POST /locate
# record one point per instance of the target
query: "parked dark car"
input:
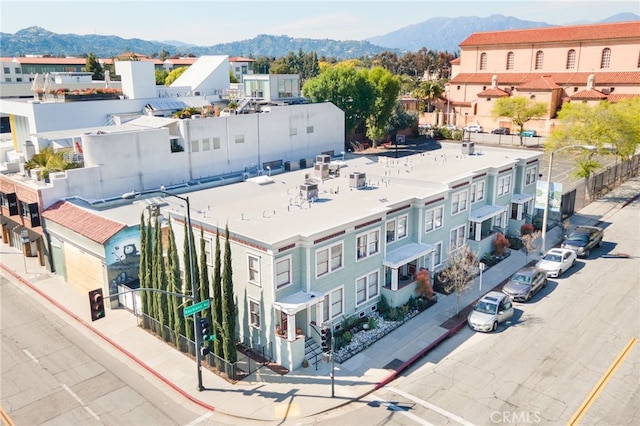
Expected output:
(501, 131)
(525, 283)
(583, 239)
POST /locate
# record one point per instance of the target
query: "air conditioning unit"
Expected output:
(309, 191)
(357, 180)
(323, 158)
(321, 170)
(468, 148)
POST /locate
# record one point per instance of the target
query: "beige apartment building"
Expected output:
(582, 63)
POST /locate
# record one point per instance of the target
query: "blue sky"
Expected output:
(205, 23)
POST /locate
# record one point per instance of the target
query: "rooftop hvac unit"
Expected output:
(468, 148)
(357, 180)
(290, 166)
(321, 170)
(323, 158)
(309, 191)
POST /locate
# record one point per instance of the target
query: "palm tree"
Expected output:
(428, 91)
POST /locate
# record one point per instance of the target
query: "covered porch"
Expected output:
(400, 266)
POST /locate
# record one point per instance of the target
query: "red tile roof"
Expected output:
(588, 94)
(617, 97)
(543, 82)
(560, 78)
(240, 59)
(82, 221)
(182, 61)
(617, 30)
(493, 93)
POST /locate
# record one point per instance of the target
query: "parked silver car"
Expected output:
(525, 283)
(492, 309)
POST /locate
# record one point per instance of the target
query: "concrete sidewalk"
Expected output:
(266, 395)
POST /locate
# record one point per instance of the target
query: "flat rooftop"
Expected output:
(270, 210)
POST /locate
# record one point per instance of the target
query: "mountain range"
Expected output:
(439, 34)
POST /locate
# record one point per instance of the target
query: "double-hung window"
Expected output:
(433, 219)
(254, 269)
(328, 259)
(368, 244)
(283, 272)
(254, 313)
(457, 238)
(332, 305)
(530, 175)
(477, 191)
(459, 202)
(391, 230)
(367, 287)
(504, 185)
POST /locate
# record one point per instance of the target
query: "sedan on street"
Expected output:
(556, 261)
(525, 283)
(501, 131)
(492, 309)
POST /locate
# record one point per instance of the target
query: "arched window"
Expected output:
(510, 60)
(539, 59)
(571, 59)
(483, 61)
(606, 58)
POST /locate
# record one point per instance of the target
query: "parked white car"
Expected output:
(474, 128)
(557, 261)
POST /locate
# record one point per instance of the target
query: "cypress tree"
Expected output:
(160, 278)
(148, 277)
(228, 305)
(188, 289)
(216, 307)
(175, 285)
(204, 280)
(142, 271)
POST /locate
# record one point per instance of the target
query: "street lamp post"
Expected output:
(194, 292)
(545, 214)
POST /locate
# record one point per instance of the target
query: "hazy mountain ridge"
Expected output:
(439, 34)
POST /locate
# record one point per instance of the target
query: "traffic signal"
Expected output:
(325, 335)
(96, 304)
(204, 329)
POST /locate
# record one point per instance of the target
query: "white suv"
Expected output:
(474, 128)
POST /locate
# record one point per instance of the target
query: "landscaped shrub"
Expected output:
(500, 244)
(526, 229)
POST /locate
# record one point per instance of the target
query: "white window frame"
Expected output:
(431, 224)
(367, 244)
(457, 237)
(504, 185)
(286, 273)
(437, 254)
(253, 269)
(208, 244)
(402, 227)
(367, 285)
(255, 319)
(331, 258)
(478, 191)
(459, 202)
(390, 223)
(333, 304)
(531, 175)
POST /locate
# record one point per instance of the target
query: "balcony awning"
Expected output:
(405, 254)
(296, 302)
(522, 198)
(486, 212)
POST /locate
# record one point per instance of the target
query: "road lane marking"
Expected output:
(200, 419)
(6, 420)
(31, 356)
(432, 407)
(582, 410)
(396, 409)
(77, 398)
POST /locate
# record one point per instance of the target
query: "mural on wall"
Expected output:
(123, 259)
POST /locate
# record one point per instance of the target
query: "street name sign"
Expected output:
(200, 306)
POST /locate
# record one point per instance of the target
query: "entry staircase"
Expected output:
(312, 351)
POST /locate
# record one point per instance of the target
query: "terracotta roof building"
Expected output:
(586, 63)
